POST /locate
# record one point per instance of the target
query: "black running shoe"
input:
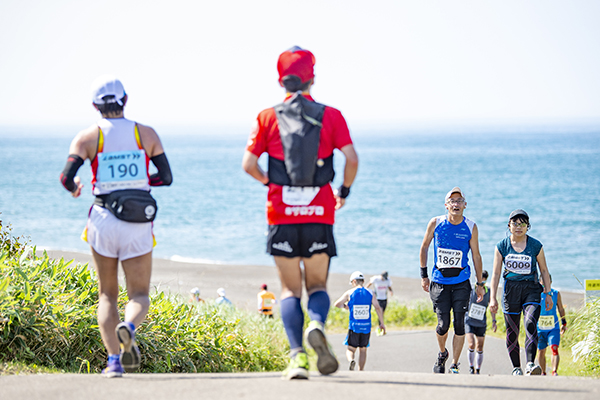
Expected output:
(440, 365)
(472, 370)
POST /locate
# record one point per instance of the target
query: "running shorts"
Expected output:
(356, 340)
(450, 297)
(517, 294)
(113, 238)
(382, 304)
(548, 338)
(301, 240)
(478, 331)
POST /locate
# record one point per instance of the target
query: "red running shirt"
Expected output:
(265, 138)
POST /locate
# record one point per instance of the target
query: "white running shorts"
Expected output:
(111, 237)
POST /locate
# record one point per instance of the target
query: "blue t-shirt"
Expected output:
(360, 310)
(520, 266)
(451, 250)
(548, 319)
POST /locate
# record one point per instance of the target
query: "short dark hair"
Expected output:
(520, 218)
(110, 107)
(292, 84)
(485, 274)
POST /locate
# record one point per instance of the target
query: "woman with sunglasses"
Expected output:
(518, 257)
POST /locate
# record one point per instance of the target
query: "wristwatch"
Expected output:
(482, 284)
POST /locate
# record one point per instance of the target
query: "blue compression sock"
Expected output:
(318, 306)
(293, 320)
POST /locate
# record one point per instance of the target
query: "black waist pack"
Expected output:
(129, 205)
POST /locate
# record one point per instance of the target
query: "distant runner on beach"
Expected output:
(381, 284)
(358, 301)
(119, 226)
(518, 258)
(453, 236)
(300, 136)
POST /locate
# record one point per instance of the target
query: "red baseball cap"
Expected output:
(296, 61)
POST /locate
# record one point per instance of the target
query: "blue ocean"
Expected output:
(214, 212)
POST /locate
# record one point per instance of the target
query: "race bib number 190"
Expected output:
(122, 169)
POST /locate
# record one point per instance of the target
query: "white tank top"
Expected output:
(121, 162)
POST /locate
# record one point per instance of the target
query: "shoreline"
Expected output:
(242, 282)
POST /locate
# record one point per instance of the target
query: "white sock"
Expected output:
(479, 359)
(471, 357)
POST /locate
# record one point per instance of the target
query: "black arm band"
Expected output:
(343, 191)
(163, 177)
(424, 272)
(74, 162)
(563, 320)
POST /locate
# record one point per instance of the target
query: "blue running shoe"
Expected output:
(130, 354)
(113, 369)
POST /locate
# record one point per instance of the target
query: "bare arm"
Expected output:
(561, 312)
(83, 146)
(424, 249)
(495, 281)
(541, 261)
(350, 170)
(477, 263)
(150, 141)
(341, 302)
(250, 165)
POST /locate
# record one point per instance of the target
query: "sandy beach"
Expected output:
(242, 282)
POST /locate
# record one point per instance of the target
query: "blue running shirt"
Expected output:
(360, 310)
(451, 248)
(520, 266)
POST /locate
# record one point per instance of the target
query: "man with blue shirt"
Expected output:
(549, 330)
(453, 236)
(358, 301)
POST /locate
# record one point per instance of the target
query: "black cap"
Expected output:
(518, 212)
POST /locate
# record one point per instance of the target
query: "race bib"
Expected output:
(518, 263)
(361, 312)
(447, 258)
(546, 322)
(299, 196)
(268, 302)
(477, 311)
(122, 170)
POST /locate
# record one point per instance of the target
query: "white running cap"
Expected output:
(356, 275)
(221, 292)
(455, 189)
(195, 290)
(107, 85)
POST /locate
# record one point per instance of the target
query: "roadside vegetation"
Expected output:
(48, 324)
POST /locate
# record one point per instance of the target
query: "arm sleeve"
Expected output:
(163, 177)
(74, 162)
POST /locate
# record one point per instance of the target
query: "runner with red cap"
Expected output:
(300, 135)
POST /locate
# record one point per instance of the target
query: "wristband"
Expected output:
(480, 284)
(493, 320)
(343, 191)
(423, 272)
(268, 182)
(563, 320)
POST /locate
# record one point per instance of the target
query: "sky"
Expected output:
(382, 63)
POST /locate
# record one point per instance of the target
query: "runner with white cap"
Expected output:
(358, 301)
(454, 236)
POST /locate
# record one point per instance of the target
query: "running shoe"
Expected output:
(517, 371)
(297, 368)
(472, 370)
(440, 365)
(476, 372)
(554, 373)
(532, 369)
(454, 368)
(130, 354)
(352, 365)
(326, 361)
(113, 370)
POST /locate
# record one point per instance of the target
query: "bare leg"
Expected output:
(362, 358)
(350, 353)
(290, 276)
(137, 277)
(542, 360)
(442, 341)
(316, 270)
(555, 359)
(457, 345)
(108, 293)
(471, 341)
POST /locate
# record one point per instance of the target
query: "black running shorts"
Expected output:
(301, 240)
(519, 293)
(382, 304)
(357, 339)
(478, 331)
(450, 297)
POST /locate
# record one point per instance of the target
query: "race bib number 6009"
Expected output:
(518, 263)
